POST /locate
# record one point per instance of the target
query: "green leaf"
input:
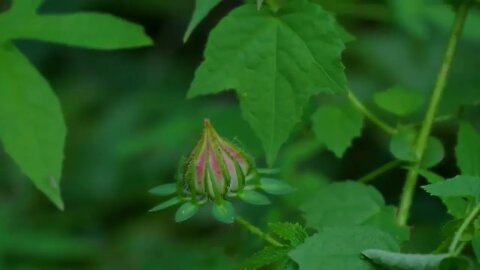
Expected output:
(434, 153)
(259, 4)
(340, 248)
(459, 186)
(403, 261)
(265, 257)
(84, 29)
(351, 203)
(186, 211)
(274, 186)
(165, 204)
(164, 190)
(32, 128)
(253, 197)
(457, 207)
(274, 63)
(457, 263)
(294, 233)
(468, 150)
(401, 145)
(224, 211)
(347, 203)
(476, 245)
(337, 137)
(386, 221)
(398, 100)
(202, 8)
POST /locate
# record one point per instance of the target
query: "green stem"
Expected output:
(421, 143)
(360, 107)
(258, 232)
(379, 171)
(453, 249)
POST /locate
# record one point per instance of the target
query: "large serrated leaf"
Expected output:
(467, 150)
(31, 123)
(275, 62)
(459, 186)
(340, 248)
(202, 8)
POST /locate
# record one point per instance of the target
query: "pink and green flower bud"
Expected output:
(216, 167)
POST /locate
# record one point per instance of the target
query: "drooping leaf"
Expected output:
(253, 197)
(274, 63)
(398, 100)
(467, 150)
(352, 203)
(294, 233)
(459, 186)
(275, 187)
(265, 257)
(403, 261)
(341, 247)
(223, 211)
(202, 8)
(166, 204)
(32, 129)
(337, 126)
(186, 211)
(163, 190)
(84, 29)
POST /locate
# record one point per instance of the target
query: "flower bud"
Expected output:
(216, 167)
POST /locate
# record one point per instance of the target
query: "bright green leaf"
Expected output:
(457, 207)
(459, 186)
(84, 29)
(253, 197)
(202, 8)
(224, 211)
(275, 187)
(292, 232)
(398, 100)
(164, 190)
(403, 261)
(340, 248)
(275, 63)
(468, 150)
(166, 204)
(337, 137)
(186, 211)
(31, 123)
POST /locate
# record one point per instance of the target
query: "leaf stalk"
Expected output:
(258, 232)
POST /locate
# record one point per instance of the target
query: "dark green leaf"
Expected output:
(31, 123)
(386, 221)
(253, 197)
(202, 8)
(459, 186)
(403, 261)
(476, 244)
(337, 137)
(340, 248)
(275, 63)
(399, 100)
(163, 190)
(457, 263)
(84, 29)
(468, 150)
(274, 186)
(223, 211)
(166, 204)
(265, 257)
(186, 211)
(292, 232)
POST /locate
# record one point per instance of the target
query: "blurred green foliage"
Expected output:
(129, 123)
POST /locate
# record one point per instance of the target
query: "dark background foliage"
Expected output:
(129, 123)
